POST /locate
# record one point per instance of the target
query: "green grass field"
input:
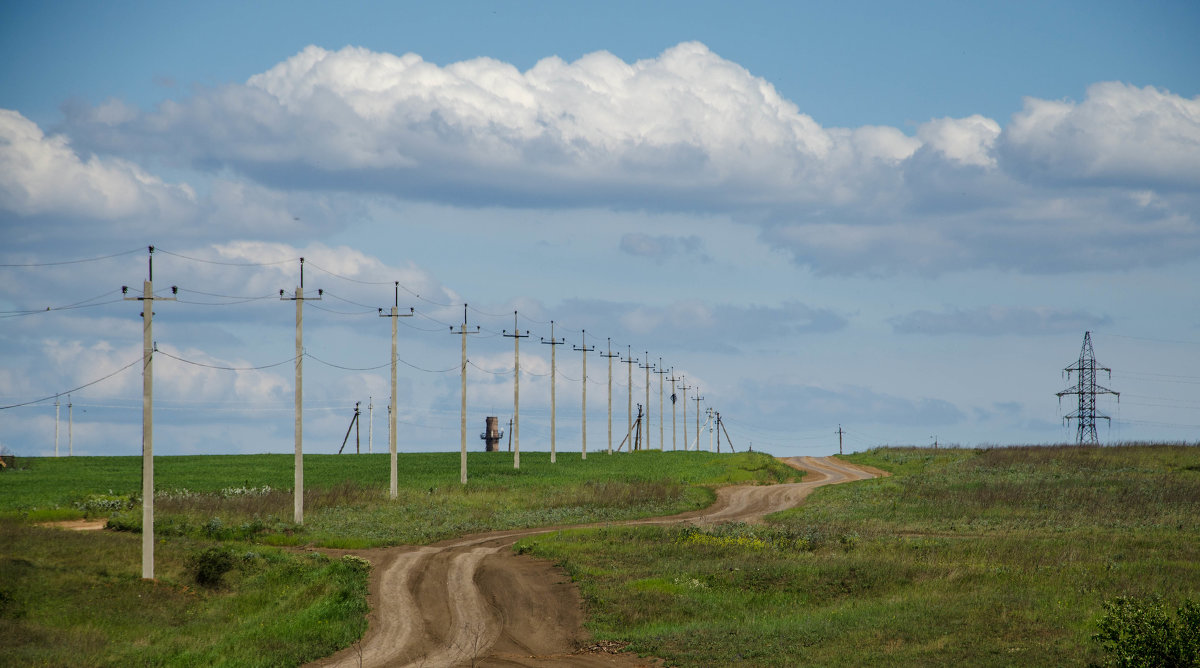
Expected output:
(963, 557)
(70, 598)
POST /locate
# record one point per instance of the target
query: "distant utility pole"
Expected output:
(674, 442)
(370, 425)
(463, 410)
(148, 300)
(56, 426)
(1087, 389)
(630, 361)
(610, 357)
(839, 433)
(553, 372)
(660, 373)
(70, 429)
(717, 415)
(299, 298)
(647, 366)
(394, 315)
(684, 387)
(583, 347)
(516, 336)
(698, 400)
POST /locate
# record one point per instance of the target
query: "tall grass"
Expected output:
(963, 557)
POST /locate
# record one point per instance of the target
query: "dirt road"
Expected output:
(472, 601)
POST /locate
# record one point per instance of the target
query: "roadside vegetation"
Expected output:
(1006, 556)
(227, 594)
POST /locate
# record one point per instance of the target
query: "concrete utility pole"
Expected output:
(698, 400)
(839, 433)
(585, 350)
(516, 336)
(673, 412)
(70, 429)
(463, 411)
(370, 425)
(298, 501)
(660, 373)
(647, 366)
(553, 372)
(630, 362)
(394, 315)
(148, 300)
(684, 387)
(610, 357)
(56, 426)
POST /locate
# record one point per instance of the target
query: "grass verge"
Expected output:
(72, 598)
(962, 557)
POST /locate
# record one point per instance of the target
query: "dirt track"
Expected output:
(472, 601)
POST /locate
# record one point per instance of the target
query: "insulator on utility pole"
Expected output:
(1086, 389)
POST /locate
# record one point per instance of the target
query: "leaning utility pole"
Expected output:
(516, 336)
(298, 501)
(647, 366)
(583, 347)
(660, 373)
(610, 357)
(630, 362)
(1087, 389)
(463, 411)
(148, 300)
(393, 485)
(553, 372)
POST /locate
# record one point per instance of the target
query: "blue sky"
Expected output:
(897, 217)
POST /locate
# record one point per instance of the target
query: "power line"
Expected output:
(223, 263)
(52, 396)
(226, 368)
(86, 259)
(87, 303)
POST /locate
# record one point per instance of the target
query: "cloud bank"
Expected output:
(1110, 181)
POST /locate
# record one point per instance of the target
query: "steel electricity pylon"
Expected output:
(1086, 389)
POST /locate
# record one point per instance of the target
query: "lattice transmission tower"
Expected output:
(1087, 389)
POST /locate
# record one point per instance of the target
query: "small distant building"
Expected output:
(492, 434)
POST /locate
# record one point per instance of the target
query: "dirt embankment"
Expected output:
(472, 602)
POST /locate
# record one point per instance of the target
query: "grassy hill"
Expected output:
(962, 557)
(226, 594)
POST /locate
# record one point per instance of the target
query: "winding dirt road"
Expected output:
(472, 602)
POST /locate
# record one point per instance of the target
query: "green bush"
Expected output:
(1140, 633)
(208, 565)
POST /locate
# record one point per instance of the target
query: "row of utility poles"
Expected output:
(148, 349)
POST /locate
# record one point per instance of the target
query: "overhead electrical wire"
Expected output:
(86, 259)
(223, 368)
(85, 385)
(159, 249)
(87, 303)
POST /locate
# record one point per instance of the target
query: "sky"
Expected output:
(897, 219)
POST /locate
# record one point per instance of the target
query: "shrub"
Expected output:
(208, 565)
(1137, 633)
